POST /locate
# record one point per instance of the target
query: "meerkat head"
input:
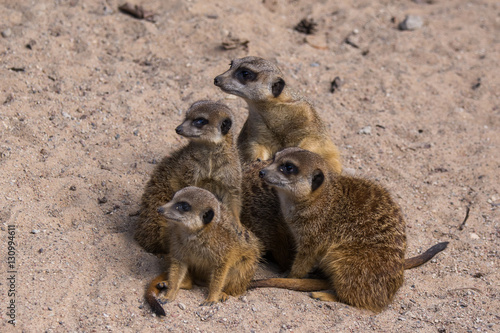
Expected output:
(254, 79)
(295, 172)
(192, 208)
(206, 121)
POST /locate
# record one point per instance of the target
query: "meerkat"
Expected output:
(349, 227)
(278, 118)
(210, 160)
(207, 244)
(261, 214)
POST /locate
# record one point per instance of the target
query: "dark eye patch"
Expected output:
(289, 168)
(183, 206)
(245, 75)
(200, 122)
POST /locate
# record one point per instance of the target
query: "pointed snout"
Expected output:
(262, 173)
(217, 81)
(179, 129)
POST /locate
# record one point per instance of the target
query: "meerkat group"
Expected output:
(214, 207)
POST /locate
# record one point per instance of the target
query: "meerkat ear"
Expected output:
(208, 216)
(317, 179)
(226, 126)
(278, 86)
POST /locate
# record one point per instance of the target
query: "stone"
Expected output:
(411, 22)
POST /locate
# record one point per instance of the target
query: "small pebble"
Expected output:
(365, 130)
(40, 251)
(35, 231)
(411, 22)
(6, 33)
(181, 306)
(474, 236)
(72, 188)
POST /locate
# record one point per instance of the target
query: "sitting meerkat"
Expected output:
(349, 227)
(261, 214)
(207, 244)
(210, 161)
(277, 117)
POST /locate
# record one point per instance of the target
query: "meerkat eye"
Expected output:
(246, 75)
(288, 168)
(200, 122)
(183, 206)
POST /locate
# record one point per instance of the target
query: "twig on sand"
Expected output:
(461, 227)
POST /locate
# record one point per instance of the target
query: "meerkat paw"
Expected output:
(211, 301)
(164, 300)
(162, 285)
(324, 296)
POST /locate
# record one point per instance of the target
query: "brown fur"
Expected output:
(261, 213)
(277, 117)
(349, 227)
(209, 160)
(207, 244)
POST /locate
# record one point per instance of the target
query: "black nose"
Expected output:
(178, 129)
(161, 210)
(217, 81)
(262, 173)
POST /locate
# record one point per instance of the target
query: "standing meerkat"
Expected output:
(210, 161)
(207, 244)
(349, 227)
(277, 117)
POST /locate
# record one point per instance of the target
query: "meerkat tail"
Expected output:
(320, 284)
(292, 284)
(152, 294)
(426, 256)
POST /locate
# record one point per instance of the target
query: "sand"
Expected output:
(90, 97)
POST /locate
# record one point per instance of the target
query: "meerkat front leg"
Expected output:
(260, 152)
(217, 282)
(303, 264)
(176, 276)
(324, 148)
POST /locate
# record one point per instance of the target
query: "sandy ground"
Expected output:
(89, 98)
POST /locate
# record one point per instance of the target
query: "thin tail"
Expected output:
(320, 284)
(426, 256)
(152, 294)
(292, 284)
